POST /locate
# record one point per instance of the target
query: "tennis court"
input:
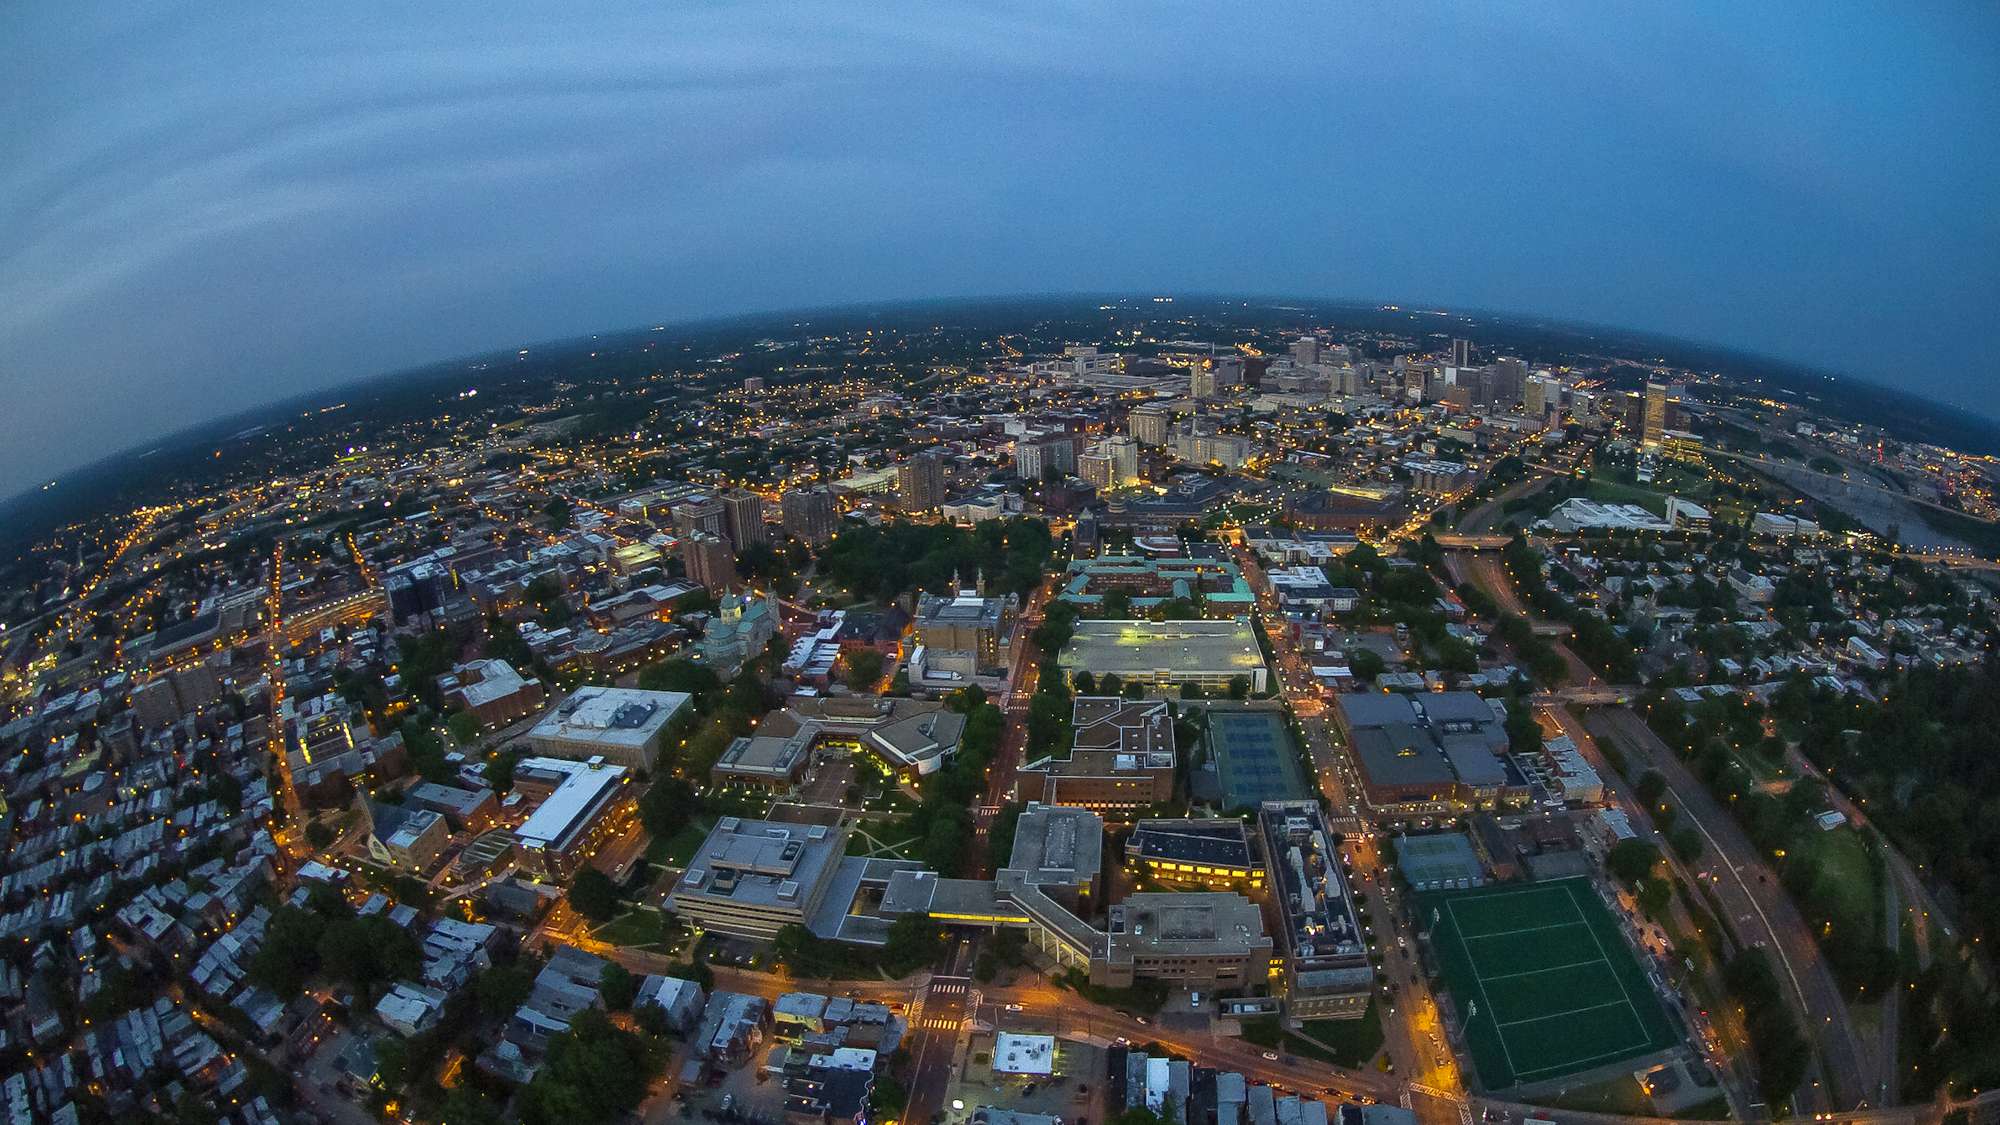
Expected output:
(1543, 981)
(1256, 757)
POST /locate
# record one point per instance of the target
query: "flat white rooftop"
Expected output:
(582, 790)
(1024, 1054)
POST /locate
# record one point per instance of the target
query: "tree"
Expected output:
(501, 989)
(319, 834)
(595, 1071)
(888, 1099)
(290, 953)
(668, 807)
(914, 941)
(1649, 788)
(1781, 1051)
(465, 1105)
(1239, 687)
(500, 770)
(1633, 860)
(366, 953)
(682, 675)
(795, 947)
(862, 669)
(1084, 682)
(653, 1019)
(1686, 843)
(464, 727)
(558, 511)
(422, 744)
(1654, 894)
(618, 987)
(594, 895)
(1366, 664)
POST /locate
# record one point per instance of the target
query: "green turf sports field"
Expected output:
(1542, 979)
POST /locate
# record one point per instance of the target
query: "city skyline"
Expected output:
(321, 203)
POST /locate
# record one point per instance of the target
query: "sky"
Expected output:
(204, 208)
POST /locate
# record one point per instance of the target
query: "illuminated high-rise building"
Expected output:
(1654, 415)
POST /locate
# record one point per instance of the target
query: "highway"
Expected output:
(942, 999)
(1486, 517)
(1759, 912)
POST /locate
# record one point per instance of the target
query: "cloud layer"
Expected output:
(205, 208)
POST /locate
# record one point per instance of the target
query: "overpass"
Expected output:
(358, 606)
(1471, 541)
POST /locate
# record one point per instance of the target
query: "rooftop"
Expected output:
(611, 716)
(1056, 844)
(1144, 647)
(584, 787)
(762, 862)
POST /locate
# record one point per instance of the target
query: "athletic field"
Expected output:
(1256, 757)
(1543, 981)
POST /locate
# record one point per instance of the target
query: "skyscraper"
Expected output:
(1542, 395)
(702, 514)
(1305, 350)
(810, 514)
(1038, 453)
(709, 561)
(1461, 353)
(1150, 424)
(745, 512)
(1112, 463)
(1654, 413)
(920, 483)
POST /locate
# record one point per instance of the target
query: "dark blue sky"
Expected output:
(207, 207)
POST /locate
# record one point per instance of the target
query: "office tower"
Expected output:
(1461, 353)
(703, 514)
(1111, 464)
(1202, 381)
(753, 384)
(1305, 351)
(1037, 455)
(745, 512)
(1124, 453)
(1149, 425)
(1510, 380)
(709, 561)
(810, 514)
(1654, 413)
(1198, 441)
(1541, 394)
(920, 483)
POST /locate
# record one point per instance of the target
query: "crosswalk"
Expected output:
(937, 987)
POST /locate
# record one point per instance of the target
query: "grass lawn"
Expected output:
(1612, 492)
(677, 849)
(881, 845)
(1847, 887)
(1354, 1042)
(1349, 1043)
(634, 928)
(1622, 1095)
